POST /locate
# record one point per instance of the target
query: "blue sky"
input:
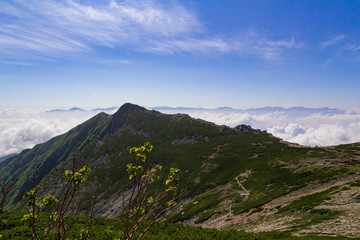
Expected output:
(180, 53)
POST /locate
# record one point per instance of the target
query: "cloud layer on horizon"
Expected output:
(24, 128)
(308, 128)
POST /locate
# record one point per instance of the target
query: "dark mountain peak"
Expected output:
(125, 114)
(129, 108)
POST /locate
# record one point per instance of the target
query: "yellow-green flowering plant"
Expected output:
(65, 205)
(139, 204)
(5, 190)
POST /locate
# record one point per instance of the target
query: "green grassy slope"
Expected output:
(31, 166)
(225, 171)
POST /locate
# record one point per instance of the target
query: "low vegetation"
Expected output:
(63, 206)
(112, 228)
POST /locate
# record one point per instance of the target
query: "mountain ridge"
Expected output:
(229, 172)
(7, 156)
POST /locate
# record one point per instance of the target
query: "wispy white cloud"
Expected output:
(53, 29)
(57, 27)
(115, 61)
(173, 46)
(332, 41)
(248, 44)
(353, 47)
(256, 44)
(123, 61)
(18, 63)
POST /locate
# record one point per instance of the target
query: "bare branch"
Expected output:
(140, 205)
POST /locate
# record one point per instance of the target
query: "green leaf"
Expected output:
(171, 203)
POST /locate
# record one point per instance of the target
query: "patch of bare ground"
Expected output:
(183, 202)
(217, 150)
(219, 222)
(347, 224)
(267, 220)
(113, 207)
(206, 166)
(197, 180)
(293, 144)
(312, 164)
(222, 207)
(340, 159)
(259, 144)
(243, 177)
(255, 155)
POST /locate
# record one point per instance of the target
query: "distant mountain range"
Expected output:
(239, 178)
(76, 109)
(293, 110)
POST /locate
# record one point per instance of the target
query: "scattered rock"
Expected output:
(185, 140)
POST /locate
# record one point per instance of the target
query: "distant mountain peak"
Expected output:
(74, 109)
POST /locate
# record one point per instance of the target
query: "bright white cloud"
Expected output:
(51, 29)
(321, 130)
(304, 126)
(24, 128)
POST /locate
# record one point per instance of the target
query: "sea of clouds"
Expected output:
(22, 128)
(305, 126)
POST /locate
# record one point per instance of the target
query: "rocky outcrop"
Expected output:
(247, 129)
